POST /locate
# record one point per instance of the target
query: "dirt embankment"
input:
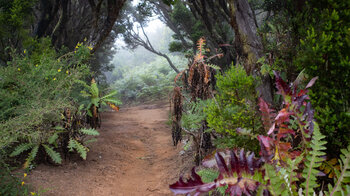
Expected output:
(134, 155)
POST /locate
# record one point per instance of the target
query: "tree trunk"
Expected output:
(248, 44)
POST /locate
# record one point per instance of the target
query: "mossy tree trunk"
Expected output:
(248, 44)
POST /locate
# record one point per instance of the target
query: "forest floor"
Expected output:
(134, 155)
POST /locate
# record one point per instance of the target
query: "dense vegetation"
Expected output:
(259, 89)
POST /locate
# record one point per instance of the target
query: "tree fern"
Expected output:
(313, 161)
(21, 148)
(344, 175)
(55, 156)
(92, 132)
(81, 149)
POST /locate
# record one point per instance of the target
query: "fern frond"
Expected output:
(213, 66)
(277, 183)
(329, 167)
(94, 89)
(31, 156)
(208, 175)
(82, 83)
(110, 95)
(313, 161)
(55, 156)
(74, 144)
(293, 165)
(21, 148)
(345, 173)
(53, 138)
(200, 45)
(92, 132)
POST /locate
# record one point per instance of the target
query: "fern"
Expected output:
(81, 149)
(31, 156)
(313, 161)
(213, 66)
(345, 173)
(277, 186)
(92, 132)
(110, 95)
(94, 89)
(53, 138)
(55, 156)
(329, 167)
(21, 148)
(208, 175)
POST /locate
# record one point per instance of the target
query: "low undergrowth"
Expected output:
(291, 153)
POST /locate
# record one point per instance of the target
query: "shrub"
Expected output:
(325, 51)
(38, 100)
(293, 137)
(234, 106)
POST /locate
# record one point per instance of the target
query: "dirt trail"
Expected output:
(133, 156)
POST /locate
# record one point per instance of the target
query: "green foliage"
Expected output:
(175, 46)
(36, 91)
(325, 52)
(80, 148)
(55, 156)
(342, 180)
(15, 15)
(313, 161)
(185, 21)
(191, 120)
(147, 81)
(234, 107)
(92, 132)
(11, 185)
(209, 175)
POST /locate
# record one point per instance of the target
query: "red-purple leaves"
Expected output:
(267, 114)
(282, 87)
(237, 173)
(193, 184)
(296, 110)
(312, 82)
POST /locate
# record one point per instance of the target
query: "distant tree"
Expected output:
(66, 22)
(134, 35)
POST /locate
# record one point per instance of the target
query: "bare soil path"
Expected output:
(133, 156)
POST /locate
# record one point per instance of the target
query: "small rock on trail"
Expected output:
(134, 155)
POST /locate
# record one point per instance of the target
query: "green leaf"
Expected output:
(214, 66)
(313, 161)
(55, 156)
(53, 138)
(74, 144)
(31, 156)
(343, 175)
(94, 90)
(21, 148)
(92, 132)
(95, 101)
(110, 95)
